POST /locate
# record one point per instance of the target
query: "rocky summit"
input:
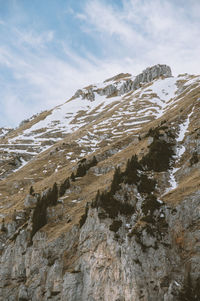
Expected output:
(100, 196)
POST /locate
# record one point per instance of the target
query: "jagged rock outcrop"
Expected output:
(85, 95)
(4, 131)
(146, 76)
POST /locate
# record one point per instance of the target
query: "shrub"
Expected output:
(64, 186)
(73, 177)
(31, 192)
(194, 159)
(52, 195)
(159, 156)
(115, 226)
(131, 171)
(85, 165)
(150, 204)
(39, 218)
(111, 206)
(189, 291)
(117, 179)
(81, 170)
(146, 185)
(84, 216)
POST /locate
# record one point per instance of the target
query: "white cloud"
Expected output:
(33, 39)
(149, 32)
(139, 34)
(42, 80)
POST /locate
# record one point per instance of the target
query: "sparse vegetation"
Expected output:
(84, 166)
(115, 226)
(31, 191)
(150, 204)
(190, 291)
(73, 177)
(133, 174)
(194, 159)
(39, 218)
(81, 170)
(117, 179)
(63, 187)
(84, 216)
(159, 156)
(146, 185)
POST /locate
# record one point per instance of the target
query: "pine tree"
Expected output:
(53, 195)
(194, 159)
(63, 187)
(116, 180)
(94, 161)
(131, 171)
(150, 204)
(73, 177)
(97, 198)
(31, 192)
(146, 184)
(81, 170)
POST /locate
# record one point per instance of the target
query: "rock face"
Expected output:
(146, 76)
(94, 263)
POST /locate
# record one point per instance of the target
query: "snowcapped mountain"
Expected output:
(99, 197)
(105, 111)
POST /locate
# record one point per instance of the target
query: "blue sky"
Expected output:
(51, 48)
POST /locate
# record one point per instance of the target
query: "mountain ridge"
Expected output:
(75, 249)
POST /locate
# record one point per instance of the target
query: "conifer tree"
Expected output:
(94, 161)
(81, 170)
(131, 173)
(63, 187)
(31, 192)
(53, 195)
(73, 177)
(116, 180)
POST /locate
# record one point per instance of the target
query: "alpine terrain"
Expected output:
(100, 196)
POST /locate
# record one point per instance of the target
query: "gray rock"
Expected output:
(30, 201)
(108, 90)
(146, 76)
(23, 294)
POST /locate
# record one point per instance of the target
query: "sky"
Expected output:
(51, 48)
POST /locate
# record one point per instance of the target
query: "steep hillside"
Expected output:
(100, 196)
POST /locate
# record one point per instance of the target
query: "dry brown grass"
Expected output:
(89, 184)
(118, 77)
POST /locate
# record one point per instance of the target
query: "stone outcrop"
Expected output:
(89, 94)
(94, 263)
(146, 76)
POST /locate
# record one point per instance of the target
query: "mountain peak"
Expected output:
(123, 83)
(103, 191)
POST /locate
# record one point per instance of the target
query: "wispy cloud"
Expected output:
(42, 79)
(33, 39)
(40, 68)
(152, 31)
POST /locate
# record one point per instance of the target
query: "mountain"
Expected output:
(100, 196)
